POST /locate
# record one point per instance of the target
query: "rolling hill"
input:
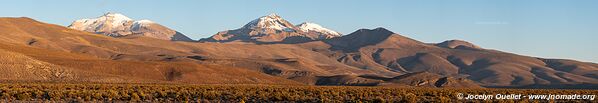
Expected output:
(380, 49)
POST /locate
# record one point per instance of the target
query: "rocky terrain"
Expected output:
(270, 50)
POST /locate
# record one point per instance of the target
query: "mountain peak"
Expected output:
(454, 44)
(118, 25)
(273, 15)
(309, 26)
(116, 16)
(379, 30)
(366, 37)
(112, 14)
(274, 29)
(272, 21)
(108, 20)
(141, 23)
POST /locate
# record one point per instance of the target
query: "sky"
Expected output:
(566, 29)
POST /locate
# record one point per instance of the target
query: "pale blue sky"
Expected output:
(545, 28)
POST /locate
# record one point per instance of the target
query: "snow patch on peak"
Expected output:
(272, 21)
(116, 16)
(141, 23)
(308, 26)
(274, 15)
(109, 19)
(110, 23)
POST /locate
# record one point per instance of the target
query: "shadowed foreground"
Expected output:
(11, 92)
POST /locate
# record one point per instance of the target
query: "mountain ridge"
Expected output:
(273, 29)
(118, 25)
(382, 51)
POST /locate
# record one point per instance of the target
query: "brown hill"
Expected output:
(384, 51)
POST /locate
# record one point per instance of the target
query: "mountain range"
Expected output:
(267, 50)
(274, 29)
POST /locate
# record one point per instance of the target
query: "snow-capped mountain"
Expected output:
(141, 23)
(313, 27)
(272, 29)
(272, 21)
(118, 25)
